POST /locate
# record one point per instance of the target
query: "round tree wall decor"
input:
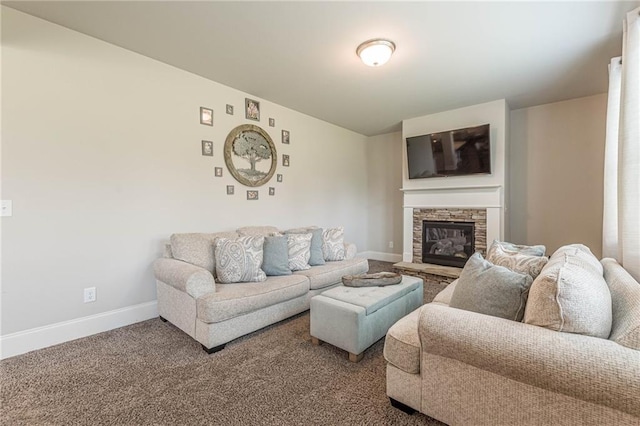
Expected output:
(250, 155)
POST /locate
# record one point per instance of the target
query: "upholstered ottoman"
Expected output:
(354, 318)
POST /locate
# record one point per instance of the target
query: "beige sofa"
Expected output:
(465, 368)
(214, 313)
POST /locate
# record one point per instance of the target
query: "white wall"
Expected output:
(384, 205)
(101, 157)
(556, 175)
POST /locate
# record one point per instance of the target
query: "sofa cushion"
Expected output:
(197, 248)
(316, 257)
(257, 231)
(232, 300)
(491, 289)
(625, 302)
(444, 297)
(239, 259)
(333, 244)
(571, 295)
(299, 248)
(517, 260)
(276, 256)
(331, 273)
(402, 344)
(510, 248)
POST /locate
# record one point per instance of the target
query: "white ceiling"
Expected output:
(302, 54)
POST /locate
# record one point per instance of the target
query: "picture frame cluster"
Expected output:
(252, 112)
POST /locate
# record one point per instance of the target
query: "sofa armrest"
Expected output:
(350, 251)
(587, 368)
(184, 276)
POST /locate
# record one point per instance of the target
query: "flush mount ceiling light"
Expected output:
(376, 52)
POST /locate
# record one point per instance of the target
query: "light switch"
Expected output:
(6, 208)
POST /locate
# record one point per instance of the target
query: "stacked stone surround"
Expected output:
(477, 216)
(436, 277)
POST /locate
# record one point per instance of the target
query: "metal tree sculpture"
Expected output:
(252, 149)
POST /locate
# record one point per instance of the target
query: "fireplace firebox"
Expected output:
(447, 243)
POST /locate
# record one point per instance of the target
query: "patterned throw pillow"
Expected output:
(333, 244)
(238, 260)
(299, 251)
(317, 258)
(514, 257)
(511, 248)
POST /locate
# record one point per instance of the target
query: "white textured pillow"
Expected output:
(571, 295)
(239, 259)
(299, 246)
(333, 244)
(516, 260)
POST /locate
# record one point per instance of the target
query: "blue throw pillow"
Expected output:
(275, 260)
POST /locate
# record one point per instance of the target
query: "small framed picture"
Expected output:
(285, 136)
(279, 178)
(252, 195)
(218, 171)
(272, 122)
(272, 190)
(230, 190)
(252, 109)
(229, 109)
(207, 148)
(285, 160)
(206, 116)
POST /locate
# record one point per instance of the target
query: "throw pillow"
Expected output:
(276, 256)
(299, 248)
(491, 289)
(511, 248)
(333, 244)
(515, 260)
(571, 295)
(316, 258)
(239, 259)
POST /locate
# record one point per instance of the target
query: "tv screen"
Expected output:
(451, 153)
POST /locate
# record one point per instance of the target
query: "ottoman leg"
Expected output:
(315, 341)
(356, 358)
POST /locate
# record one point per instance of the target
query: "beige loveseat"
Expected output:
(466, 368)
(213, 313)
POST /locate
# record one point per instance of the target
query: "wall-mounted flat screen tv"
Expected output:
(452, 153)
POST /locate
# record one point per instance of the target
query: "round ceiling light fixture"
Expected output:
(376, 52)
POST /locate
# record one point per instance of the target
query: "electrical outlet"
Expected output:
(390, 244)
(89, 294)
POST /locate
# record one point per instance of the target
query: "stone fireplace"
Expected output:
(448, 237)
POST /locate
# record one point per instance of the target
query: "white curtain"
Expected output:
(621, 216)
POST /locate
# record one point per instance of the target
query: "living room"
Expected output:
(103, 160)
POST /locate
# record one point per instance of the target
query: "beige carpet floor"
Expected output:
(151, 373)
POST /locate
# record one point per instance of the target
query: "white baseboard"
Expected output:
(41, 337)
(378, 255)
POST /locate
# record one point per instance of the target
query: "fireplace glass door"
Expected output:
(447, 243)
